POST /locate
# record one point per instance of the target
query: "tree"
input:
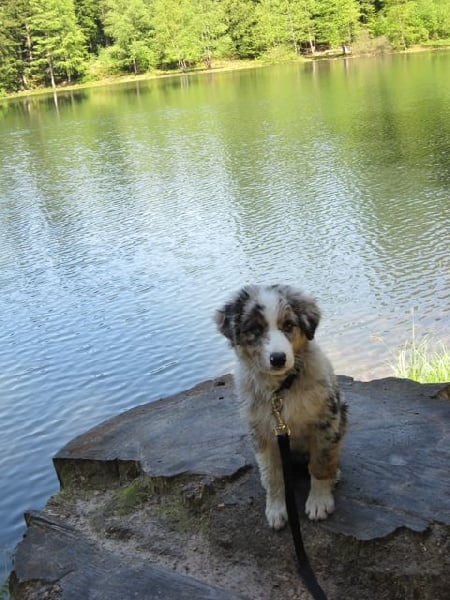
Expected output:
(443, 19)
(90, 18)
(129, 25)
(9, 54)
(337, 22)
(57, 41)
(285, 22)
(15, 44)
(402, 23)
(272, 27)
(176, 40)
(301, 22)
(240, 21)
(211, 30)
(367, 13)
(434, 15)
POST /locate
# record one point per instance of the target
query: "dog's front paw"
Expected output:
(276, 514)
(319, 507)
(320, 502)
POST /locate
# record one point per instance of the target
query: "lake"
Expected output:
(130, 212)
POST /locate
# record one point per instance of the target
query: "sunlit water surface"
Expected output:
(129, 213)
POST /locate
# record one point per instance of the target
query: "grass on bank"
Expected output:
(422, 362)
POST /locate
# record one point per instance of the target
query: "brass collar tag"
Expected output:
(281, 427)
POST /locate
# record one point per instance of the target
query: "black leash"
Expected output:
(305, 570)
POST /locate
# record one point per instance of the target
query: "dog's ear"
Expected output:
(306, 311)
(228, 319)
(223, 319)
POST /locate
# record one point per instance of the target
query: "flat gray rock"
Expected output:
(395, 462)
(196, 432)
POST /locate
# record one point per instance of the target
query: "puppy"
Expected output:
(271, 329)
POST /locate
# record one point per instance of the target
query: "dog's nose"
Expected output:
(278, 359)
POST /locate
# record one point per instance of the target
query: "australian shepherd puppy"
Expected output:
(271, 329)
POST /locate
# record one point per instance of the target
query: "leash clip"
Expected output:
(281, 427)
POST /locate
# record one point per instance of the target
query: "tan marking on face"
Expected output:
(299, 340)
(285, 316)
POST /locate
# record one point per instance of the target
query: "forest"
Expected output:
(57, 42)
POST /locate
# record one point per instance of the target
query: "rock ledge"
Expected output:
(164, 502)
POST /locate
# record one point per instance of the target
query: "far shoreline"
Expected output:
(218, 66)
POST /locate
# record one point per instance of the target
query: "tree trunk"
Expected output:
(68, 74)
(51, 71)
(28, 42)
(311, 41)
(292, 32)
(28, 56)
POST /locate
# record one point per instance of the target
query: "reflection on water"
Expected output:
(129, 213)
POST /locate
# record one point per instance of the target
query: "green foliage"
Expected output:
(240, 22)
(418, 361)
(50, 42)
(435, 16)
(176, 36)
(4, 590)
(422, 361)
(90, 19)
(271, 27)
(211, 30)
(15, 44)
(402, 23)
(106, 64)
(302, 23)
(279, 54)
(7, 49)
(282, 23)
(129, 24)
(58, 51)
(338, 21)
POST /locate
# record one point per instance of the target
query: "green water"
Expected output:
(130, 212)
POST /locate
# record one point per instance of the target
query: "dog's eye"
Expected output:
(257, 330)
(253, 330)
(288, 326)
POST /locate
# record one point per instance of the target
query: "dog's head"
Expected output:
(269, 326)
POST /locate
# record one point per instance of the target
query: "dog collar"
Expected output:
(287, 382)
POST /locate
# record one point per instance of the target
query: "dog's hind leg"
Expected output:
(271, 473)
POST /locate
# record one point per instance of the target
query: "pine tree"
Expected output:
(15, 44)
(9, 54)
(90, 18)
(58, 45)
